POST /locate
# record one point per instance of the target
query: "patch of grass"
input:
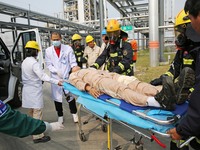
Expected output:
(143, 70)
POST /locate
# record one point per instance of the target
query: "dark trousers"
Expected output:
(72, 107)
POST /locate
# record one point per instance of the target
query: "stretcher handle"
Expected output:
(186, 142)
(158, 141)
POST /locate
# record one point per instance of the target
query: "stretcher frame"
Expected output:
(108, 121)
(144, 116)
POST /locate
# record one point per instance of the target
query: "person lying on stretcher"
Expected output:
(128, 88)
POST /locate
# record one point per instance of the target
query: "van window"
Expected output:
(2, 53)
(19, 53)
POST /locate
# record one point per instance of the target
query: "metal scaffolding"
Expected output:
(90, 17)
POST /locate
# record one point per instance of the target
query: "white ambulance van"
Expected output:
(10, 67)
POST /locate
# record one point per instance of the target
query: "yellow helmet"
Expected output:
(182, 18)
(32, 44)
(113, 25)
(76, 37)
(89, 38)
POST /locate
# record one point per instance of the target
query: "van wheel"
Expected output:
(17, 100)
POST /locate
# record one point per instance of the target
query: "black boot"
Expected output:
(167, 97)
(186, 81)
(42, 140)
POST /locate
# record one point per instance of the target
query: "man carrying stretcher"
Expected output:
(128, 88)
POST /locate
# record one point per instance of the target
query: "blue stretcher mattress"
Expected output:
(123, 111)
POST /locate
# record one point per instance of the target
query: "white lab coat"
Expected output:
(32, 77)
(59, 67)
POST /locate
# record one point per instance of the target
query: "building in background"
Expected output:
(87, 12)
(82, 11)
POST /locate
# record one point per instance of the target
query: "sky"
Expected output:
(54, 7)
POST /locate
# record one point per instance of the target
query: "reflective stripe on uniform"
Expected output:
(113, 54)
(187, 61)
(169, 74)
(191, 90)
(107, 65)
(96, 65)
(78, 54)
(121, 66)
(130, 69)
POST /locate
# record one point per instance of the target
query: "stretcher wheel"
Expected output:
(104, 127)
(139, 147)
(82, 137)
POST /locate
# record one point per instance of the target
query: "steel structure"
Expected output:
(136, 11)
(86, 16)
(57, 23)
(82, 11)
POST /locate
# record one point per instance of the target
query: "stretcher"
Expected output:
(109, 109)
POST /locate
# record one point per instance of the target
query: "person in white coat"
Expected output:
(32, 77)
(60, 59)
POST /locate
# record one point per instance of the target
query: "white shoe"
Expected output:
(60, 119)
(75, 117)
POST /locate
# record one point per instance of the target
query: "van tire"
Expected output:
(16, 102)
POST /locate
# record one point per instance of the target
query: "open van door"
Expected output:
(18, 51)
(12, 84)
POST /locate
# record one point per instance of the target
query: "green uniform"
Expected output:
(17, 124)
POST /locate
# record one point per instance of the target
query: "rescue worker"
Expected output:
(190, 124)
(182, 59)
(32, 92)
(128, 88)
(118, 56)
(14, 123)
(60, 59)
(105, 39)
(78, 49)
(92, 51)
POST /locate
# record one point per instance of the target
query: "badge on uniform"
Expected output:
(125, 52)
(3, 108)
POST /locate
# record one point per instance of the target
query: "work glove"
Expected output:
(157, 81)
(83, 60)
(54, 126)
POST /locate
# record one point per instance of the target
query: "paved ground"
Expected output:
(68, 139)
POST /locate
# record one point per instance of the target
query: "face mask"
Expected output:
(56, 43)
(77, 43)
(181, 40)
(113, 37)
